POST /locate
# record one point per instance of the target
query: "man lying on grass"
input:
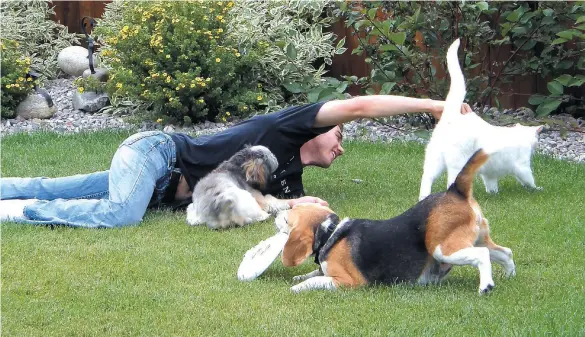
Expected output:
(154, 169)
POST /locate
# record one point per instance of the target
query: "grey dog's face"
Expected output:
(264, 154)
(258, 163)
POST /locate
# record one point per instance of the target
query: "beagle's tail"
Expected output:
(463, 184)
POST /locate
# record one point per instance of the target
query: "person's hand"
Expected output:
(307, 199)
(437, 109)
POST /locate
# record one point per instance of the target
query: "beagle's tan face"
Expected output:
(303, 220)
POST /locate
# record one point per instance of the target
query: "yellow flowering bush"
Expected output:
(14, 83)
(177, 57)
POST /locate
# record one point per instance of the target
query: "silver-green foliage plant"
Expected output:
(297, 37)
(40, 38)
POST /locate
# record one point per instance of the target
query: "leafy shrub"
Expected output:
(177, 57)
(405, 42)
(298, 46)
(40, 38)
(14, 83)
(552, 36)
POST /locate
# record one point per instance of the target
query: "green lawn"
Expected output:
(165, 278)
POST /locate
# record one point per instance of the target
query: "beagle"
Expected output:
(418, 246)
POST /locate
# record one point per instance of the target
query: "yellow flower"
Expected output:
(238, 55)
(259, 85)
(218, 60)
(220, 30)
(168, 56)
(20, 79)
(222, 21)
(192, 85)
(8, 86)
(118, 85)
(219, 17)
(159, 120)
(230, 4)
(227, 113)
(208, 79)
(245, 107)
(201, 100)
(29, 79)
(203, 84)
(259, 98)
(80, 89)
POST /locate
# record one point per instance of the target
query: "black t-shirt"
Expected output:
(283, 132)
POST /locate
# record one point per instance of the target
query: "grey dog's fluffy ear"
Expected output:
(255, 171)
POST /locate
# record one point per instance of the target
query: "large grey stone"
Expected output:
(35, 106)
(73, 60)
(101, 74)
(90, 101)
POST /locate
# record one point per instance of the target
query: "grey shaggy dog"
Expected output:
(229, 195)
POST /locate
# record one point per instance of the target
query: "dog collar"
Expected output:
(322, 234)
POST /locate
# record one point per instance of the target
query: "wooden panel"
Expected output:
(69, 13)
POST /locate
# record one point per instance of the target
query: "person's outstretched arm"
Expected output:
(341, 111)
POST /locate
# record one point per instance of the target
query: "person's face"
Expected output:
(324, 149)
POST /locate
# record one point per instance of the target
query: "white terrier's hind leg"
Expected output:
(525, 177)
(491, 184)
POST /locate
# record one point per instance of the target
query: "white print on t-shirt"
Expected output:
(283, 183)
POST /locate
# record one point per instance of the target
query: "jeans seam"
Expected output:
(94, 195)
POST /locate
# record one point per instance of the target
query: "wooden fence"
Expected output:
(516, 94)
(69, 13)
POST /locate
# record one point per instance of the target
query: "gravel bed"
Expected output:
(569, 146)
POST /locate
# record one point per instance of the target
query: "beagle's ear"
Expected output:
(298, 247)
(255, 171)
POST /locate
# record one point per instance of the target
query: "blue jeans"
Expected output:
(138, 176)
